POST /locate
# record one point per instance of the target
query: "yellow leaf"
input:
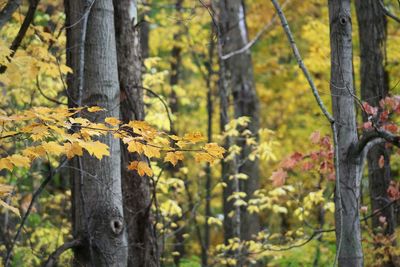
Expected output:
(134, 146)
(194, 137)
(151, 151)
(214, 150)
(174, 157)
(5, 163)
(202, 156)
(112, 121)
(96, 148)
(95, 109)
(141, 167)
(19, 160)
(53, 148)
(73, 149)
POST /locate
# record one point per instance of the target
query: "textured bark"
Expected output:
(96, 185)
(136, 189)
(374, 87)
(239, 81)
(348, 233)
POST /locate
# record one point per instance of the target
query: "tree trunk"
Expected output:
(348, 232)
(96, 184)
(374, 87)
(238, 76)
(136, 189)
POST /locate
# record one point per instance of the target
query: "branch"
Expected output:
(299, 59)
(28, 211)
(22, 31)
(8, 10)
(52, 260)
(372, 136)
(388, 13)
(256, 38)
(45, 96)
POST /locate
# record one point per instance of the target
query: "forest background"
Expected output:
(198, 213)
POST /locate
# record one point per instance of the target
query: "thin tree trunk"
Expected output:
(135, 188)
(348, 233)
(374, 87)
(240, 83)
(96, 185)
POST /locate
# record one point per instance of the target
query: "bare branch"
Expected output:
(388, 13)
(256, 38)
(299, 59)
(22, 31)
(52, 260)
(7, 11)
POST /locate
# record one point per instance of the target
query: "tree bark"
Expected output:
(135, 188)
(374, 87)
(238, 76)
(348, 232)
(96, 184)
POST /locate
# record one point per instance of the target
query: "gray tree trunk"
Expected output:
(136, 189)
(238, 76)
(96, 185)
(374, 87)
(348, 233)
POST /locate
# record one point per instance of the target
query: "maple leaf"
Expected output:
(112, 121)
(214, 150)
(5, 163)
(369, 109)
(53, 148)
(203, 156)
(174, 157)
(73, 149)
(96, 148)
(151, 151)
(141, 167)
(194, 137)
(95, 109)
(19, 160)
(135, 146)
(315, 137)
(278, 178)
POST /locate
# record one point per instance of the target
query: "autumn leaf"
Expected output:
(315, 137)
(135, 146)
(96, 148)
(214, 150)
(72, 150)
(53, 148)
(141, 167)
(194, 137)
(278, 178)
(95, 109)
(112, 121)
(19, 160)
(5, 163)
(174, 157)
(151, 151)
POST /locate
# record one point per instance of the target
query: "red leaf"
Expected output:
(369, 109)
(367, 125)
(315, 137)
(278, 178)
(391, 128)
(307, 166)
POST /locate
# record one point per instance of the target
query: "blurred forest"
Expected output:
(199, 133)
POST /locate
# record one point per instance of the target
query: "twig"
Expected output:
(8, 10)
(299, 59)
(52, 260)
(35, 195)
(45, 96)
(388, 13)
(256, 38)
(22, 31)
